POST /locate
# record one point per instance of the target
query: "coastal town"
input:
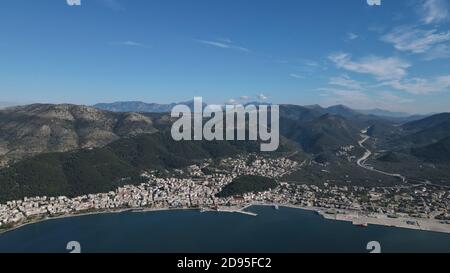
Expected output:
(197, 187)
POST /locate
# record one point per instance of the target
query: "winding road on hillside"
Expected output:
(362, 161)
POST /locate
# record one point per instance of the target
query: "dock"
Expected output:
(247, 213)
(237, 210)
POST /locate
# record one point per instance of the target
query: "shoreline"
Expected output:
(420, 224)
(73, 215)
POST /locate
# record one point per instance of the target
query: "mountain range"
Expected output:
(74, 149)
(141, 107)
(342, 110)
(40, 128)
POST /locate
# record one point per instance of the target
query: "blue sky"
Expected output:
(395, 56)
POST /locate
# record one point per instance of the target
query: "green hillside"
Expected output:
(247, 184)
(104, 169)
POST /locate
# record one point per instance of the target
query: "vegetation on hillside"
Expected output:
(104, 169)
(247, 184)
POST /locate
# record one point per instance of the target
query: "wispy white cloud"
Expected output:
(310, 63)
(438, 52)
(382, 68)
(225, 40)
(346, 82)
(302, 66)
(389, 72)
(377, 28)
(361, 95)
(130, 44)
(406, 38)
(357, 99)
(223, 43)
(351, 98)
(296, 76)
(420, 86)
(419, 41)
(434, 11)
(73, 2)
(391, 97)
(262, 97)
(352, 36)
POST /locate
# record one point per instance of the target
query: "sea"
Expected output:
(283, 230)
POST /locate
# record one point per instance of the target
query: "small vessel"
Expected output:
(359, 223)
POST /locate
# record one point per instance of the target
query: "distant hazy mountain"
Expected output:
(135, 106)
(4, 104)
(342, 110)
(257, 103)
(384, 113)
(141, 107)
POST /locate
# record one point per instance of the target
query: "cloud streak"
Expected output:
(345, 82)
(419, 41)
(296, 76)
(434, 11)
(420, 86)
(130, 44)
(224, 44)
(358, 99)
(352, 36)
(382, 68)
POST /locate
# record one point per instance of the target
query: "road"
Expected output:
(362, 161)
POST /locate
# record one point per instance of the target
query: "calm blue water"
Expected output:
(285, 230)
